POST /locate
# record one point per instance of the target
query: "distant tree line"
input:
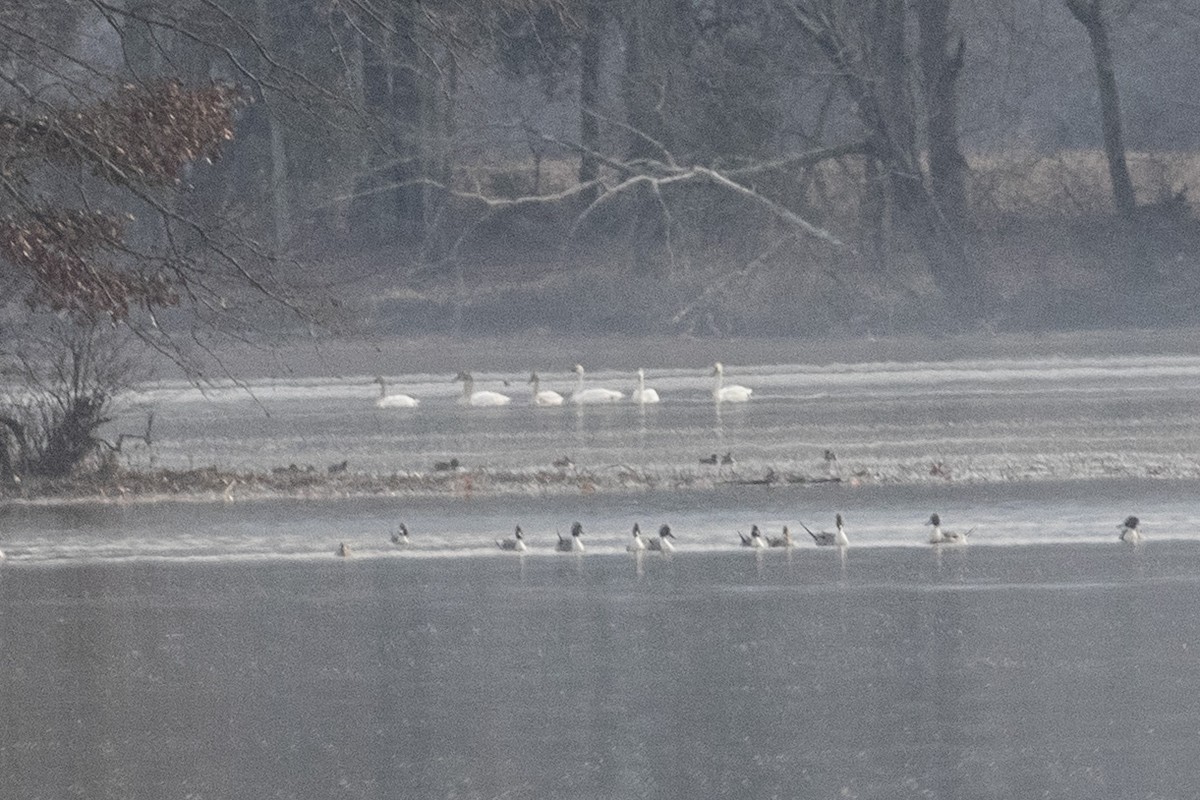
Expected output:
(193, 158)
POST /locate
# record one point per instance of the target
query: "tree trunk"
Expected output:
(281, 212)
(939, 73)
(589, 91)
(889, 122)
(1090, 14)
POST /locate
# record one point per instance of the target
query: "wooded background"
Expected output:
(773, 167)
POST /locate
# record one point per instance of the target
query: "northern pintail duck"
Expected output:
(782, 541)
(834, 538)
(939, 536)
(661, 543)
(515, 542)
(1129, 530)
(575, 543)
(400, 537)
(344, 550)
(755, 539)
(638, 542)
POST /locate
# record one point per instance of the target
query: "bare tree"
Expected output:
(1091, 14)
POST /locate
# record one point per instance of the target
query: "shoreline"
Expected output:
(212, 484)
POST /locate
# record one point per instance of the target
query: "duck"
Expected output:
(638, 544)
(1129, 530)
(755, 539)
(661, 544)
(544, 397)
(782, 541)
(344, 550)
(711, 460)
(832, 538)
(400, 536)
(471, 397)
(595, 395)
(939, 536)
(575, 543)
(386, 400)
(516, 542)
(641, 394)
(728, 394)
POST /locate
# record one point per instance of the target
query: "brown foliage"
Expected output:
(141, 136)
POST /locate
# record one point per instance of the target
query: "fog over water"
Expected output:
(213, 647)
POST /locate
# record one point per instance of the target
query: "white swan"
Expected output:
(836, 537)
(728, 394)
(471, 397)
(642, 394)
(939, 536)
(1129, 531)
(544, 397)
(515, 542)
(386, 400)
(595, 395)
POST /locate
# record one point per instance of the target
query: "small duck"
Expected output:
(344, 550)
(638, 544)
(1129, 530)
(563, 463)
(782, 541)
(661, 544)
(400, 536)
(832, 538)
(574, 544)
(711, 460)
(755, 539)
(446, 466)
(727, 460)
(516, 542)
(939, 536)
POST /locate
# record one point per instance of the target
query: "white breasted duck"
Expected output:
(515, 542)
(1129, 530)
(574, 544)
(400, 536)
(834, 538)
(755, 539)
(939, 536)
(638, 544)
(662, 543)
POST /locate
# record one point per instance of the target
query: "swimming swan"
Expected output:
(832, 538)
(386, 400)
(574, 543)
(595, 395)
(939, 536)
(728, 394)
(516, 542)
(544, 397)
(1129, 531)
(642, 394)
(471, 397)
(661, 544)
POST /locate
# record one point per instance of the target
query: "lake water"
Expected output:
(212, 649)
